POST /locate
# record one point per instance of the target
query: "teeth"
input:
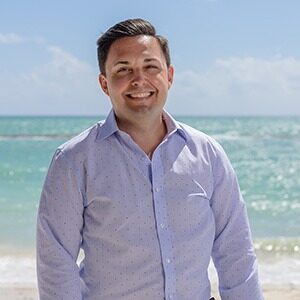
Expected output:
(140, 95)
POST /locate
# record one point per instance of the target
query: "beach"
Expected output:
(271, 292)
(279, 276)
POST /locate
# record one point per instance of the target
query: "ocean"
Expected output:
(264, 151)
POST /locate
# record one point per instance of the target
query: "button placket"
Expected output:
(160, 210)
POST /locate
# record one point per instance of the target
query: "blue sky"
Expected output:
(230, 57)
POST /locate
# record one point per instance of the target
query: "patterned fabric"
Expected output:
(148, 228)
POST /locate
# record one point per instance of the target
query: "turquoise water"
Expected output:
(263, 150)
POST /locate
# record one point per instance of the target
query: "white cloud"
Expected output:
(61, 72)
(239, 86)
(63, 85)
(14, 38)
(11, 38)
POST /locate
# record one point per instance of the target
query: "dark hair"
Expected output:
(127, 28)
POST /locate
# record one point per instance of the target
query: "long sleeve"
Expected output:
(59, 228)
(233, 252)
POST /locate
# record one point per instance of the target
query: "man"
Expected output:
(148, 199)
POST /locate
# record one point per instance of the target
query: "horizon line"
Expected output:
(175, 115)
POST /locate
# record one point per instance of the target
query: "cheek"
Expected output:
(162, 83)
(116, 86)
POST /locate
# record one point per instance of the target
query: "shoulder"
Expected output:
(79, 145)
(209, 150)
(201, 139)
(206, 148)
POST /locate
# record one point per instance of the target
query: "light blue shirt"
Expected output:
(147, 227)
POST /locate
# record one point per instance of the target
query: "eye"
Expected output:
(152, 69)
(123, 70)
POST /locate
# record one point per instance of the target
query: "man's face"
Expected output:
(137, 78)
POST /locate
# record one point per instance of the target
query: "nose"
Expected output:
(138, 78)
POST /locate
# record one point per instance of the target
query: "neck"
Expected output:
(148, 135)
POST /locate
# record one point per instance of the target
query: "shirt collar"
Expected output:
(173, 126)
(109, 127)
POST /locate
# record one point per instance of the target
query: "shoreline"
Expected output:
(278, 273)
(270, 292)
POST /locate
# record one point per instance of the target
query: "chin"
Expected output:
(142, 109)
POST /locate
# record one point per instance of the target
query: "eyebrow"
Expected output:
(125, 62)
(150, 59)
(122, 62)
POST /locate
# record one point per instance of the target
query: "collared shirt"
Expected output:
(147, 227)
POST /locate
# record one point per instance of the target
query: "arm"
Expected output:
(233, 252)
(59, 227)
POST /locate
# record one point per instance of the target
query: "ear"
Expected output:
(103, 83)
(170, 75)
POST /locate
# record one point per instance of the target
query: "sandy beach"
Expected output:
(271, 292)
(280, 278)
(274, 292)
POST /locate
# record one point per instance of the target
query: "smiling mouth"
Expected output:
(141, 95)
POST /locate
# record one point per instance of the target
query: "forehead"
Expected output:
(141, 46)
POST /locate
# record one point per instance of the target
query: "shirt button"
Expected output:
(168, 260)
(157, 189)
(171, 297)
(162, 225)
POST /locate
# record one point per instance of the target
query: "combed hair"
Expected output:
(128, 28)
